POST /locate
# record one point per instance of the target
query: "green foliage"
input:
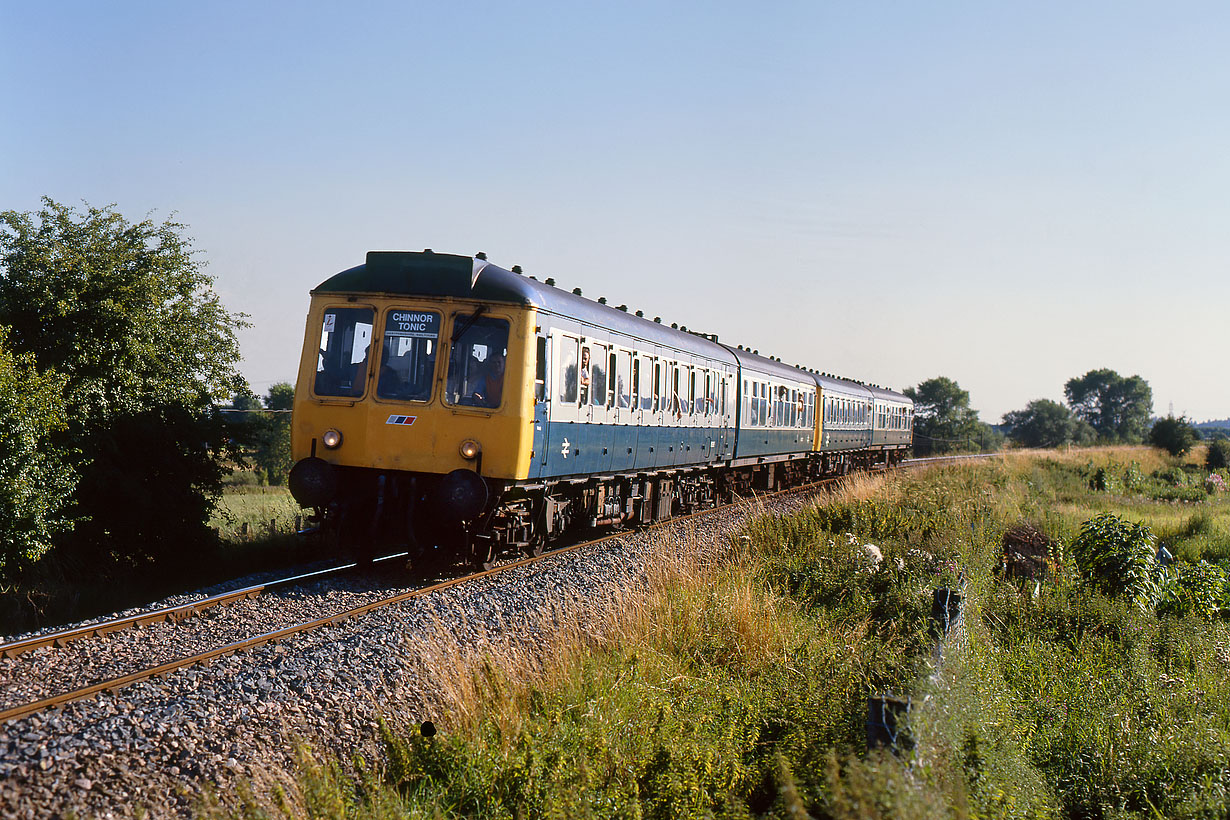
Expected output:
(1124, 713)
(124, 312)
(263, 439)
(1118, 408)
(1218, 456)
(943, 419)
(1117, 558)
(35, 479)
(1043, 423)
(1174, 435)
(1194, 589)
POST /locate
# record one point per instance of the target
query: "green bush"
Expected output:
(1117, 558)
(35, 481)
(1193, 588)
(1174, 476)
(1218, 456)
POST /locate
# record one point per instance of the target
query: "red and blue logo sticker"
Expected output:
(406, 420)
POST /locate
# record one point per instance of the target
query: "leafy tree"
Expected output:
(1175, 436)
(245, 399)
(35, 479)
(1043, 423)
(1118, 408)
(943, 419)
(1218, 456)
(125, 313)
(272, 453)
(281, 396)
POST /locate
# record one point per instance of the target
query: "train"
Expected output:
(466, 411)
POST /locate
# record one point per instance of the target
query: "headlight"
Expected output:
(469, 449)
(332, 439)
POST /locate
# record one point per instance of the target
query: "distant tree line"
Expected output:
(1102, 407)
(114, 351)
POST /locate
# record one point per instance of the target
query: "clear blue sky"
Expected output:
(1006, 194)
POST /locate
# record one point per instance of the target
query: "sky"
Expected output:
(1006, 194)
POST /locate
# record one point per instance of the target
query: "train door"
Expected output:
(595, 445)
(623, 431)
(561, 439)
(542, 403)
(642, 396)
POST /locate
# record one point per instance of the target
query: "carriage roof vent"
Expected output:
(657, 320)
(602, 300)
(577, 291)
(428, 250)
(516, 269)
(640, 313)
(624, 308)
(675, 325)
(550, 282)
(481, 255)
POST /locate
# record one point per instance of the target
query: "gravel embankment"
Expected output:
(155, 746)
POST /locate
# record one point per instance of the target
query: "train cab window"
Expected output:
(566, 353)
(341, 366)
(408, 355)
(476, 362)
(540, 370)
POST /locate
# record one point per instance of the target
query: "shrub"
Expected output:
(1193, 588)
(1218, 456)
(1174, 435)
(1117, 558)
(1174, 476)
(35, 481)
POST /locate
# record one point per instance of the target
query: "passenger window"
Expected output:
(598, 377)
(568, 381)
(691, 405)
(476, 361)
(610, 369)
(657, 385)
(341, 365)
(622, 379)
(636, 382)
(675, 400)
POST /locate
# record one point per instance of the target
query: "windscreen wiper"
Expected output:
(469, 323)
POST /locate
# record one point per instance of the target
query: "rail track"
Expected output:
(190, 610)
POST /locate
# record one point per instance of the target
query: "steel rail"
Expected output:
(270, 637)
(173, 614)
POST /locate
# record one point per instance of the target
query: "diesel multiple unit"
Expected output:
(463, 409)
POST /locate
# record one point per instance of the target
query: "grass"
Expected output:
(733, 682)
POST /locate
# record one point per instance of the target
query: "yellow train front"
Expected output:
(416, 379)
